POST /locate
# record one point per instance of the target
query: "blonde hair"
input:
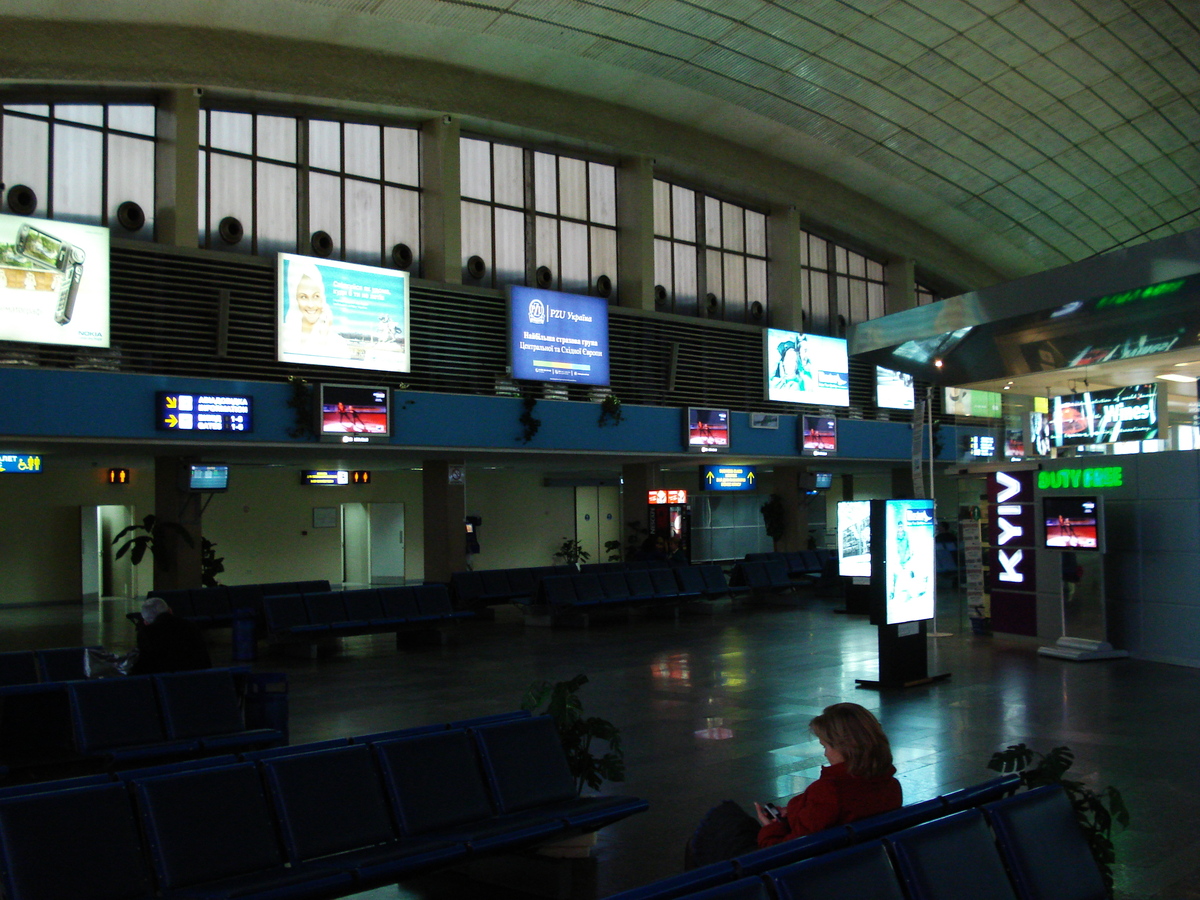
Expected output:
(857, 735)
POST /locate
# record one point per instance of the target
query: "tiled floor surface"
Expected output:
(715, 705)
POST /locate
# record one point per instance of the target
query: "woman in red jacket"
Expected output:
(859, 781)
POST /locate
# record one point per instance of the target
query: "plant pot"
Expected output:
(981, 625)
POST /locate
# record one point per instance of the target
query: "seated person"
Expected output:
(859, 781)
(168, 643)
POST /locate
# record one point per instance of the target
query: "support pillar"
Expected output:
(637, 481)
(177, 168)
(635, 234)
(441, 203)
(445, 514)
(785, 273)
(901, 285)
(791, 482)
(176, 565)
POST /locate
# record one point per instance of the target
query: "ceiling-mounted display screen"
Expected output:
(706, 430)
(175, 411)
(806, 368)
(340, 314)
(1105, 417)
(893, 390)
(208, 477)
(557, 337)
(55, 282)
(817, 436)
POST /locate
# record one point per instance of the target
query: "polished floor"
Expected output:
(714, 705)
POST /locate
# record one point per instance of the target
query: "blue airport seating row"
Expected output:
(583, 591)
(311, 616)
(113, 722)
(761, 577)
(39, 666)
(802, 565)
(214, 607)
(1025, 847)
(488, 587)
(322, 821)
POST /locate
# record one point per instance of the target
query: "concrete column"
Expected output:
(790, 484)
(445, 514)
(902, 482)
(176, 565)
(441, 211)
(901, 285)
(637, 481)
(177, 168)
(635, 233)
(784, 272)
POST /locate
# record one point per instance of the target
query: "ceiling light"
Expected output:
(1175, 376)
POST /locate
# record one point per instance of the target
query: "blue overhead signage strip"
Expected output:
(727, 478)
(20, 462)
(202, 412)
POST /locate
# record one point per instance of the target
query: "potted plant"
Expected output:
(561, 702)
(774, 515)
(572, 553)
(1096, 811)
(211, 565)
(142, 537)
(610, 411)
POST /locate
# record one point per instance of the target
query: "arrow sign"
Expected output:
(171, 421)
(172, 402)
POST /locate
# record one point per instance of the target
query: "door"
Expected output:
(356, 546)
(386, 542)
(102, 574)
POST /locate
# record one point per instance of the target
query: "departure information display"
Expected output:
(203, 412)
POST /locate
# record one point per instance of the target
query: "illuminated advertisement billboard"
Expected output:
(909, 560)
(806, 368)
(967, 402)
(1105, 417)
(557, 337)
(55, 282)
(340, 314)
(854, 538)
(893, 390)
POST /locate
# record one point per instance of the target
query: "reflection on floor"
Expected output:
(714, 706)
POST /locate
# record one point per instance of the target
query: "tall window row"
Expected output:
(710, 256)
(839, 287)
(925, 295)
(538, 218)
(80, 163)
(343, 190)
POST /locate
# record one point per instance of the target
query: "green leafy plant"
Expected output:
(610, 411)
(148, 536)
(572, 552)
(774, 515)
(561, 702)
(211, 565)
(1097, 812)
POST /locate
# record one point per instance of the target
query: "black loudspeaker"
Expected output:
(476, 267)
(402, 256)
(322, 243)
(660, 296)
(230, 229)
(604, 286)
(22, 200)
(712, 305)
(130, 216)
(543, 277)
(756, 311)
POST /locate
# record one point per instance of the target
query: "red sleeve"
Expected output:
(814, 810)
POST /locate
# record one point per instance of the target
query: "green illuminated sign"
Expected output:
(1142, 293)
(1105, 477)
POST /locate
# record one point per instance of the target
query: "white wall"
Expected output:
(523, 521)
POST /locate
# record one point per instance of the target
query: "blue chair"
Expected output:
(745, 889)
(292, 749)
(878, 826)
(204, 705)
(399, 604)
(863, 872)
(362, 608)
(211, 834)
(756, 862)
(951, 858)
(82, 842)
(588, 590)
(62, 663)
(691, 582)
(119, 717)
(685, 884)
(332, 810)
(557, 590)
(616, 588)
(18, 667)
(979, 794)
(1044, 848)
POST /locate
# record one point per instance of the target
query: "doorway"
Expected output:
(372, 544)
(102, 574)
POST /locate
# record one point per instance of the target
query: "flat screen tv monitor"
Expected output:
(706, 429)
(557, 337)
(818, 436)
(53, 282)
(350, 414)
(854, 538)
(334, 313)
(1072, 523)
(909, 571)
(806, 368)
(208, 477)
(822, 481)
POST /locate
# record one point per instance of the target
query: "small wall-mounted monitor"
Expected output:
(349, 414)
(208, 477)
(817, 436)
(706, 430)
(822, 481)
(1072, 523)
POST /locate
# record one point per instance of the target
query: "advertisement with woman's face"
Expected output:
(342, 314)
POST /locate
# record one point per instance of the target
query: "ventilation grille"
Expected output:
(165, 310)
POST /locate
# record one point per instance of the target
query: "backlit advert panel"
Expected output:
(340, 314)
(806, 368)
(558, 337)
(55, 282)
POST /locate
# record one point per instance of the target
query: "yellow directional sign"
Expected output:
(727, 478)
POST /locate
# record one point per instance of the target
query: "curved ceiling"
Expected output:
(1030, 133)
